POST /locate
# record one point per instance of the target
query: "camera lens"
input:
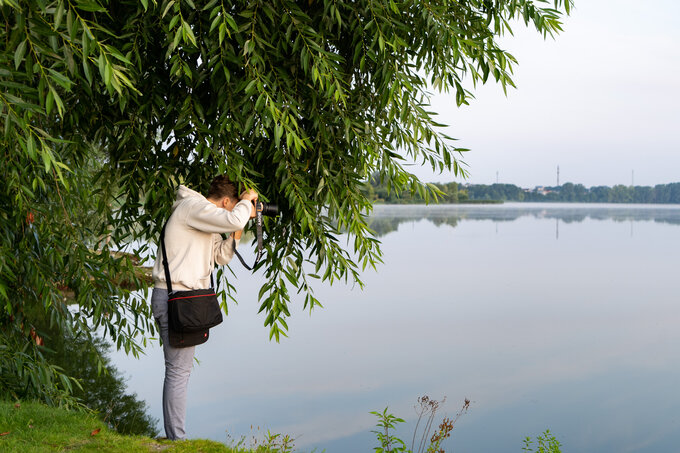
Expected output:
(268, 209)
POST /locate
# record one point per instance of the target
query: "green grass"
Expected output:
(38, 428)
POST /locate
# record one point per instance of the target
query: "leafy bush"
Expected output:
(547, 443)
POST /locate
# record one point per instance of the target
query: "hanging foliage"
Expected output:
(106, 106)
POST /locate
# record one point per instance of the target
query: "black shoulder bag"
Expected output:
(192, 313)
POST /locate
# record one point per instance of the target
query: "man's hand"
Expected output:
(249, 195)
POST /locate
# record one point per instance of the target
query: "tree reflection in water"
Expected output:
(387, 218)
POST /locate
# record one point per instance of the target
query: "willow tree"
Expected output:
(106, 106)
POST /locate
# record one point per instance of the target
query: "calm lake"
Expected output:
(559, 316)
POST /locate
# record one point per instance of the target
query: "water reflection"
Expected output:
(577, 335)
(387, 218)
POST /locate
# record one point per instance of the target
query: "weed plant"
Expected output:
(422, 442)
(426, 408)
(546, 443)
(269, 443)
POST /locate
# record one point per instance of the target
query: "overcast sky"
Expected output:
(602, 101)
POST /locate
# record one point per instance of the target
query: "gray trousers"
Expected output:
(178, 364)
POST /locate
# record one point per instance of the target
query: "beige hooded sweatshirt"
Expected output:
(193, 241)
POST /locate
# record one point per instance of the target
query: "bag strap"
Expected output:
(168, 282)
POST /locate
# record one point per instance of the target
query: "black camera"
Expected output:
(267, 209)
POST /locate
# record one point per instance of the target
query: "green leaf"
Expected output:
(189, 33)
(86, 43)
(49, 102)
(108, 73)
(216, 21)
(250, 88)
(170, 4)
(187, 70)
(21, 103)
(90, 5)
(59, 15)
(101, 63)
(247, 46)
(118, 55)
(57, 101)
(278, 132)
(60, 79)
(209, 5)
(230, 20)
(86, 70)
(47, 158)
(30, 146)
(249, 123)
(19, 54)
(222, 32)
(178, 36)
(173, 21)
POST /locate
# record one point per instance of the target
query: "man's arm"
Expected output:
(211, 219)
(223, 250)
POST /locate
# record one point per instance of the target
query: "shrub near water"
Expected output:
(102, 390)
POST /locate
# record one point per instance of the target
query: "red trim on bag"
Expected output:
(191, 297)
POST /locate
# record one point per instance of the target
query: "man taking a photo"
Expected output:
(194, 245)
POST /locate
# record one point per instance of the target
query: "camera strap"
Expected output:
(258, 225)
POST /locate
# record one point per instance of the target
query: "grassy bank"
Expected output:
(34, 427)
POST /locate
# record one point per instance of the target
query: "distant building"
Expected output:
(541, 190)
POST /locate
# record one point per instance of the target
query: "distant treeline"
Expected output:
(568, 192)
(661, 193)
(378, 192)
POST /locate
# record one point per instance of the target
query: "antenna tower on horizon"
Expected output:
(558, 176)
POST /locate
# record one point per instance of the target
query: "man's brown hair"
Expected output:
(221, 187)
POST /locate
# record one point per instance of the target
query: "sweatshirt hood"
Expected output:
(185, 193)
